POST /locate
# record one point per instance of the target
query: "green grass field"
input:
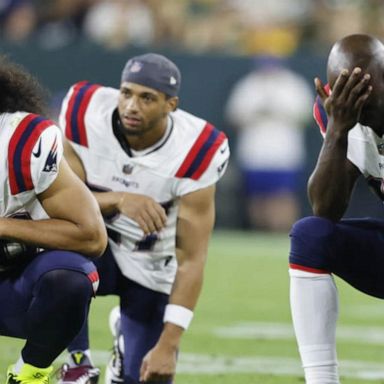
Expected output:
(242, 331)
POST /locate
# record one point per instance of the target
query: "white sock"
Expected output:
(314, 307)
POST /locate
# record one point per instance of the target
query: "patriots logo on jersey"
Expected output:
(51, 162)
(127, 169)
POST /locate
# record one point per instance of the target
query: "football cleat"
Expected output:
(82, 374)
(29, 375)
(114, 372)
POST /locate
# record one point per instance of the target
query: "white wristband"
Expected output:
(177, 314)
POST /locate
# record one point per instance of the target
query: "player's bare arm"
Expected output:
(331, 184)
(149, 214)
(194, 227)
(75, 221)
(74, 160)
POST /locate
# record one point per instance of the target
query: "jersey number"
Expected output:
(147, 243)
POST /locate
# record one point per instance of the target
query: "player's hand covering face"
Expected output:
(350, 92)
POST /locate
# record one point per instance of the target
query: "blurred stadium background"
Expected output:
(214, 42)
(242, 330)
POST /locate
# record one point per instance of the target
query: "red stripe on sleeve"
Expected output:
(81, 115)
(71, 103)
(195, 149)
(27, 152)
(208, 157)
(12, 149)
(317, 117)
(317, 113)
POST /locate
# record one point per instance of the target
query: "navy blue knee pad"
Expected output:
(311, 242)
(57, 311)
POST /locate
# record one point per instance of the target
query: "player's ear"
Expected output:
(172, 103)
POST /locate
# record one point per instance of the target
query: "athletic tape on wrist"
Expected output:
(177, 314)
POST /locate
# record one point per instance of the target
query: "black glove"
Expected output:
(14, 254)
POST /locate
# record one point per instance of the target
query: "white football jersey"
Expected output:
(365, 150)
(29, 162)
(192, 155)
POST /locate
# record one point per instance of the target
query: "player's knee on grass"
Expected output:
(311, 242)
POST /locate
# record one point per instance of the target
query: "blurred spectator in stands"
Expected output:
(245, 27)
(333, 19)
(271, 27)
(117, 23)
(195, 25)
(60, 22)
(269, 108)
(211, 26)
(169, 22)
(17, 20)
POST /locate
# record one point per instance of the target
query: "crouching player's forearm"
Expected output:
(194, 227)
(161, 360)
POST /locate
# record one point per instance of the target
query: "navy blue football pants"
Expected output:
(46, 302)
(352, 249)
(142, 312)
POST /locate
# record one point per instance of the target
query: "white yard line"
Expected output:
(211, 365)
(220, 364)
(284, 331)
(373, 310)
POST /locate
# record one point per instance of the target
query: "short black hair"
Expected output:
(19, 90)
